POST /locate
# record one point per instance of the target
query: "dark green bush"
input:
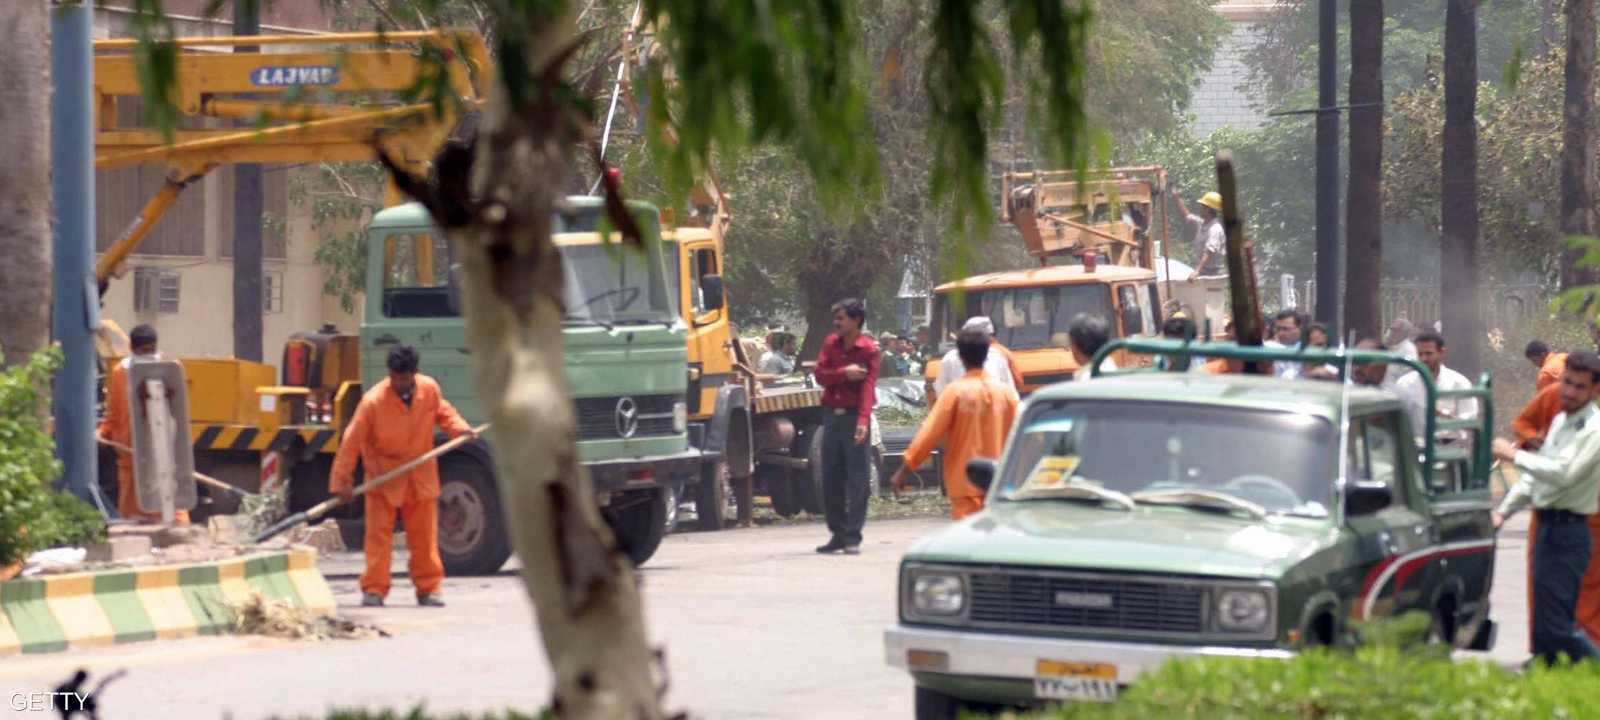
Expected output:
(1389, 676)
(32, 515)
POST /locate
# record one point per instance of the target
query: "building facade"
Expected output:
(1223, 97)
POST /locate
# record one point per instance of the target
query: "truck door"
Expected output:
(1135, 318)
(1398, 545)
(408, 303)
(710, 338)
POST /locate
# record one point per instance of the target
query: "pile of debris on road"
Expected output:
(275, 618)
(134, 545)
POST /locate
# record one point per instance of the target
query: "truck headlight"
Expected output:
(938, 594)
(680, 417)
(1246, 611)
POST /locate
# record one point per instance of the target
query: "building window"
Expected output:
(272, 292)
(155, 290)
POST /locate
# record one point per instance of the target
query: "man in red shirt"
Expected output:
(847, 369)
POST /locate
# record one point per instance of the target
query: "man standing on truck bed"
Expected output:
(847, 369)
(117, 425)
(972, 418)
(1210, 242)
(393, 425)
(1558, 480)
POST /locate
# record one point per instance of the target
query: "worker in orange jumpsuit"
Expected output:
(972, 416)
(393, 425)
(117, 426)
(1550, 364)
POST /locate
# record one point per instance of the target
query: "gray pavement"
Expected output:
(754, 623)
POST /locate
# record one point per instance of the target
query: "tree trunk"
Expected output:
(1458, 208)
(25, 239)
(1549, 29)
(1577, 140)
(494, 198)
(1364, 209)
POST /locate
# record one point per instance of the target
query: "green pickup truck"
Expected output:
(1142, 516)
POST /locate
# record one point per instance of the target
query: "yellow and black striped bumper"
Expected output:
(781, 400)
(249, 438)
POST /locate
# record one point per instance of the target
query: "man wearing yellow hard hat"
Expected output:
(1209, 239)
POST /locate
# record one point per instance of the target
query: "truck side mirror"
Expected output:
(1365, 497)
(453, 290)
(711, 291)
(980, 472)
(1132, 321)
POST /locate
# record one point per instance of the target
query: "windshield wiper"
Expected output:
(1076, 491)
(1200, 498)
(570, 320)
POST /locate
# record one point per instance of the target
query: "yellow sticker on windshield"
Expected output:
(1052, 471)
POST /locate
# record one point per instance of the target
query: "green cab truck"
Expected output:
(625, 358)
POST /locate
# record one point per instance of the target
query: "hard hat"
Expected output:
(1212, 200)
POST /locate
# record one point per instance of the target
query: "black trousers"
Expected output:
(846, 478)
(1560, 556)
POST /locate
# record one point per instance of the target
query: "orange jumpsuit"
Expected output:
(384, 434)
(117, 426)
(1550, 372)
(972, 416)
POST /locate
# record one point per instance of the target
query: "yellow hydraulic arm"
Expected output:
(323, 98)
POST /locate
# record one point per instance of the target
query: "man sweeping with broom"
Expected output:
(393, 424)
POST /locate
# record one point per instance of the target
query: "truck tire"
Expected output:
(472, 527)
(711, 496)
(813, 490)
(639, 520)
(786, 488)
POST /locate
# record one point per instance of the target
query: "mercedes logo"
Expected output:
(627, 417)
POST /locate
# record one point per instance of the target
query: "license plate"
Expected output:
(1082, 682)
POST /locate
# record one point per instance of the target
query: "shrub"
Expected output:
(32, 514)
(1389, 676)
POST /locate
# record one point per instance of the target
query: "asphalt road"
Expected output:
(754, 623)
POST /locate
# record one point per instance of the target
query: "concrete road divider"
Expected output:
(123, 605)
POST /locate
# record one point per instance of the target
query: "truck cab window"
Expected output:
(416, 276)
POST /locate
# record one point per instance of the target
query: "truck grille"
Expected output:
(1080, 602)
(597, 417)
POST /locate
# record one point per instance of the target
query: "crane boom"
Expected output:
(334, 97)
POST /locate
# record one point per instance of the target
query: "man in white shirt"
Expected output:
(1088, 333)
(995, 366)
(1286, 327)
(1414, 392)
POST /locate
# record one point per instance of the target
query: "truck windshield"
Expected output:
(1279, 461)
(1029, 318)
(611, 284)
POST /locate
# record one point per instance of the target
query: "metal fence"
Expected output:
(1418, 301)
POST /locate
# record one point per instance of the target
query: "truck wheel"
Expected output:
(787, 488)
(472, 528)
(639, 521)
(814, 494)
(711, 496)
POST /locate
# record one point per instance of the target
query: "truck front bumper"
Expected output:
(642, 473)
(1001, 668)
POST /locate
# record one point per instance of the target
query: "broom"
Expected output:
(322, 508)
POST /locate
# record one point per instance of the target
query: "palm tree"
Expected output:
(25, 244)
(1577, 140)
(1458, 209)
(1364, 206)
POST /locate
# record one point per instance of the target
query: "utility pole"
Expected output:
(247, 294)
(1327, 300)
(75, 310)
